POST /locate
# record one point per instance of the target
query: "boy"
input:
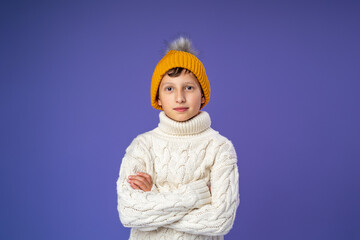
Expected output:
(179, 180)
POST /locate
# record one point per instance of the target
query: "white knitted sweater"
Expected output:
(183, 159)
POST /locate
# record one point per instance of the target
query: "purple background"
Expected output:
(75, 90)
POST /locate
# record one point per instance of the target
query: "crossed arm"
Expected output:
(143, 181)
(190, 208)
(150, 209)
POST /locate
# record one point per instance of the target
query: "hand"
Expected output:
(140, 181)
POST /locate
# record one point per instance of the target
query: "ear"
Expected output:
(203, 99)
(159, 102)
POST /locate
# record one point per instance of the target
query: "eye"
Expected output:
(168, 88)
(189, 87)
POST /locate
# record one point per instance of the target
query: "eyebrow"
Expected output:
(184, 83)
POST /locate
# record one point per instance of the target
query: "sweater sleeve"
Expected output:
(149, 210)
(218, 217)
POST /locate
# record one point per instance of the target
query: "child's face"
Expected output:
(180, 97)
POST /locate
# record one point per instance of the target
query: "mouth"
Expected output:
(181, 109)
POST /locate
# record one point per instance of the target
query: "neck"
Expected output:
(195, 125)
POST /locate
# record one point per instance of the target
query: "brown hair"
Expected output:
(174, 72)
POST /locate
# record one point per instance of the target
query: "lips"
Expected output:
(181, 109)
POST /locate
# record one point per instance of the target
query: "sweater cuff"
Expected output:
(201, 193)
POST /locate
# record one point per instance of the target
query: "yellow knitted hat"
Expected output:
(182, 59)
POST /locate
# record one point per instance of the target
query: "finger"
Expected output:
(141, 184)
(146, 186)
(147, 176)
(134, 186)
(129, 180)
(143, 179)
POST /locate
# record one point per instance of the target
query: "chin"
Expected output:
(178, 119)
(182, 120)
(181, 117)
(186, 118)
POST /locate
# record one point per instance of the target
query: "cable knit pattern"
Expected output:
(183, 159)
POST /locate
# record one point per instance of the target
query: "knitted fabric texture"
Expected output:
(182, 59)
(183, 159)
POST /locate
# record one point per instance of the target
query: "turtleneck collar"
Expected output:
(195, 125)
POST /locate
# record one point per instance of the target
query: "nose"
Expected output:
(180, 96)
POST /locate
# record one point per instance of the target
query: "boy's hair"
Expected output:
(175, 72)
(180, 56)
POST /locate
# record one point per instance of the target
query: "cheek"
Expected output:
(165, 99)
(196, 99)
